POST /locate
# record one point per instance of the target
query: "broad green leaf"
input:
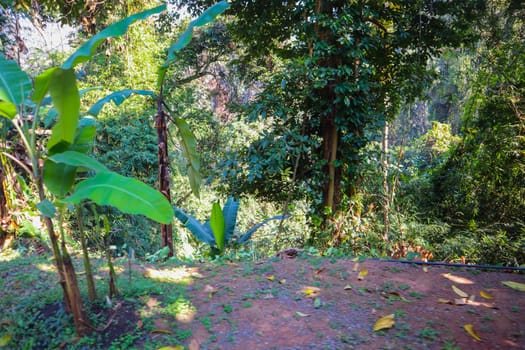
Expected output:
(189, 148)
(217, 225)
(515, 285)
(66, 100)
(86, 51)
(117, 97)
(128, 195)
(7, 110)
(211, 13)
(248, 234)
(15, 87)
(59, 178)
(47, 208)
(85, 135)
(42, 82)
(77, 159)
(384, 323)
(199, 230)
(229, 211)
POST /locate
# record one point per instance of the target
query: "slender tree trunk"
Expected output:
(66, 273)
(166, 231)
(92, 292)
(80, 318)
(386, 186)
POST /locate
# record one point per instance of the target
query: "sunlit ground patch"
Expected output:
(182, 275)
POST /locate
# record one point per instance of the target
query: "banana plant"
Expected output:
(186, 137)
(219, 230)
(66, 154)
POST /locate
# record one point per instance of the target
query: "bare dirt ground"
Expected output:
(305, 302)
(321, 303)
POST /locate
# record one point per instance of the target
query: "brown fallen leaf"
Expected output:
(459, 292)
(161, 331)
(140, 324)
(356, 267)
(320, 270)
(384, 322)
(362, 274)
(485, 295)
(393, 294)
(210, 290)
(470, 330)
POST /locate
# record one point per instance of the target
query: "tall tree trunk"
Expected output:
(166, 231)
(386, 186)
(329, 130)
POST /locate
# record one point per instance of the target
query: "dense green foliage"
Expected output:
(288, 108)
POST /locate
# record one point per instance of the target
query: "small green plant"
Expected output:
(220, 228)
(428, 333)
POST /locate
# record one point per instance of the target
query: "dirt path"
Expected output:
(307, 302)
(318, 303)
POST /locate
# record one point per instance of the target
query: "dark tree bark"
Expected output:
(166, 231)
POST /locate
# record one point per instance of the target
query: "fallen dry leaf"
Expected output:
(515, 285)
(470, 330)
(300, 314)
(384, 322)
(362, 274)
(161, 331)
(425, 269)
(457, 279)
(270, 278)
(5, 339)
(459, 292)
(210, 290)
(393, 294)
(320, 270)
(356, 267)
(444, 301)
(461, 301)
(283, 281)
(485, 295)
(310, 291)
